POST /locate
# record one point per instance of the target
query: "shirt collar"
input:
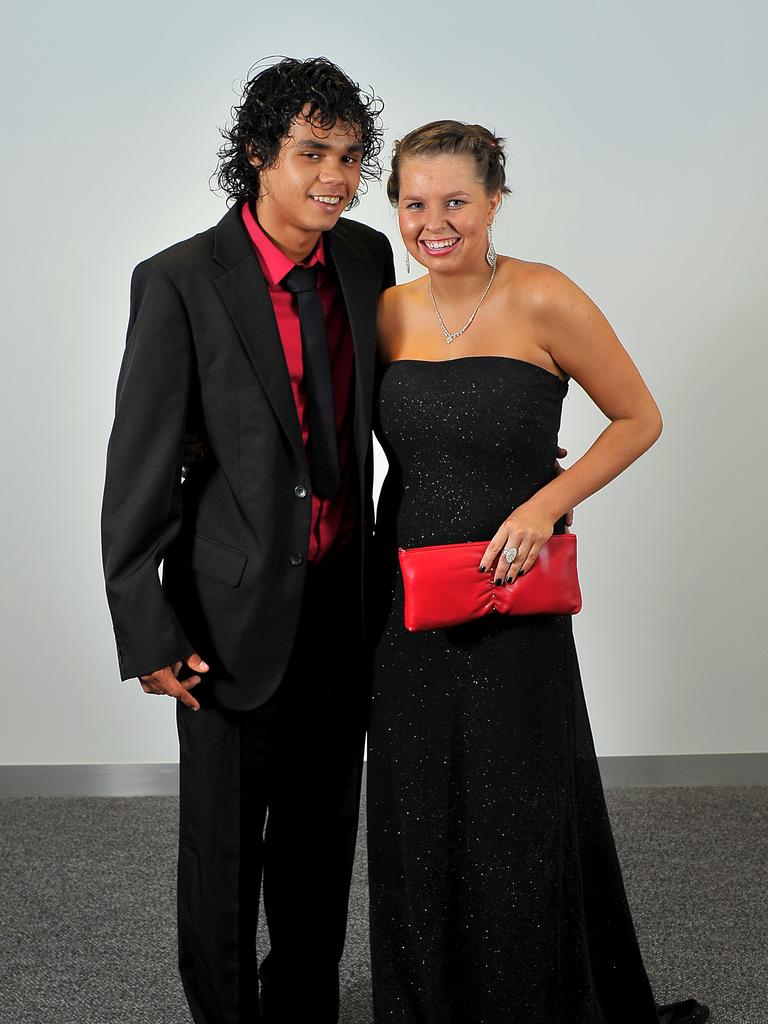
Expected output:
(275, 263)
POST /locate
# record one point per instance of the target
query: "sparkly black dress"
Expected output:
(496, 893)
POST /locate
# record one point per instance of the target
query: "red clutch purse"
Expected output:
(444, 586)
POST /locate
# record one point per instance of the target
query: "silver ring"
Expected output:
(510, 554)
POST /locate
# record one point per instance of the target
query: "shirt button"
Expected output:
(300, 491)
(296, 559)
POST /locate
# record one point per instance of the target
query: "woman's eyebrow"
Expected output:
(448, 195)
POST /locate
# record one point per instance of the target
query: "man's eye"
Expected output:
(312, 156)
(352, 159)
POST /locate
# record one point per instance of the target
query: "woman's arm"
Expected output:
(580, 340)
(575, 333)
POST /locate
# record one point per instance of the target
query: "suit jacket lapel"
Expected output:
(245, 294)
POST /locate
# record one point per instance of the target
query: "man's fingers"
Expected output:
(164, 683)
(196, 663)
(152, 688)
(186, 698)
(179, 691)
(163, 676)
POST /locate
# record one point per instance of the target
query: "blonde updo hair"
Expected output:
(439, 137)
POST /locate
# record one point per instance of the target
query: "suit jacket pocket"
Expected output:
(219, 561)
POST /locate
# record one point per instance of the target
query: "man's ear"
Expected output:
(253, 157)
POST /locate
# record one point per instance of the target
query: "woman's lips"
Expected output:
(442, 249)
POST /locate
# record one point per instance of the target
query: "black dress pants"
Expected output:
(273, 794)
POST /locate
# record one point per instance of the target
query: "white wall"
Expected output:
(638, 161)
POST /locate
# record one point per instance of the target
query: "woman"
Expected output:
(496, 894)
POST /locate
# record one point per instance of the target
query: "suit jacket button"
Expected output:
(296, 559)
(300, 491)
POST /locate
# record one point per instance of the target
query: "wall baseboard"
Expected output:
(46, 780)
(685, 770)
(89, 780)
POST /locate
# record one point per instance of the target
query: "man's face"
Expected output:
(315, 177)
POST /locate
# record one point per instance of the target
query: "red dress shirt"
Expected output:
(333, 519)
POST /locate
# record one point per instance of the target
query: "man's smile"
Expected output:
(328, 201)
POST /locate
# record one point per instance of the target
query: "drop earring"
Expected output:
(407, 262)
(491, 254)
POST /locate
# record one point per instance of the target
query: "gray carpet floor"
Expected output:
(87, 906)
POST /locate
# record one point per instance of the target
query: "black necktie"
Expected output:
(323, 446)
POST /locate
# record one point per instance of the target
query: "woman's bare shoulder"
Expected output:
(394, 302)
(541, 286)
(399, 293)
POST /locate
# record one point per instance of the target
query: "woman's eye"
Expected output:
(414, 206)
(460, 202)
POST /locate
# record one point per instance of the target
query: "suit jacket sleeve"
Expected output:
(141, 512)
(388, 280)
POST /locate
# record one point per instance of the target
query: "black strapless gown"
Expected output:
(496, 892)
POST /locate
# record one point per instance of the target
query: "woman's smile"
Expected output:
(440, 246)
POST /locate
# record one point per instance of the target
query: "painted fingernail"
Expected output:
(497, 583)
(509, 579)
(521, 573)
(482, 568)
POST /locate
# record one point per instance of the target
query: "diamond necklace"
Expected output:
(453, 335)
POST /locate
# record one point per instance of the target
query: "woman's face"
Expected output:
(444, 212)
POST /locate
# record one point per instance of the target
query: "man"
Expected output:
(260, 335)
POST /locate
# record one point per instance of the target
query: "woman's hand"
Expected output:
(561, 453)
(527, 530)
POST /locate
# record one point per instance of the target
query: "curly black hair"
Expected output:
(273, 97)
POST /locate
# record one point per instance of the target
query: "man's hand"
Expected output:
(165, 681)
(561, 453)
(195, 449)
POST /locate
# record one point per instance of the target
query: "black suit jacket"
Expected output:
(203, 353)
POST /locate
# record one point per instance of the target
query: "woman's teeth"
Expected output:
(328, 200)
(445, 243)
